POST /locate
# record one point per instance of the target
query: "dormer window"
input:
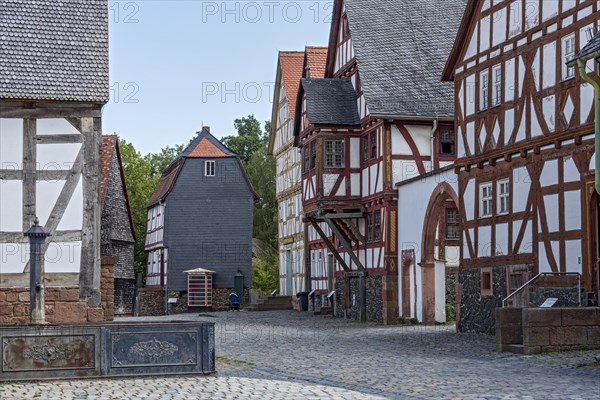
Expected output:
(209, 168)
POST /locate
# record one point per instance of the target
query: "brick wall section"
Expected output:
(62, 302)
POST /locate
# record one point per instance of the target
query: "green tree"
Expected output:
(249, 137)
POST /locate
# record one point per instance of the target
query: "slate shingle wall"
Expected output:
(208, 224)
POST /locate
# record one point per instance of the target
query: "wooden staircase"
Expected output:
(272, 303)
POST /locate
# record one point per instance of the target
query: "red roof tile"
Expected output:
(207, 149)
(292, 63)
(317, 58)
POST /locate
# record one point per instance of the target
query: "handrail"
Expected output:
(535, 278)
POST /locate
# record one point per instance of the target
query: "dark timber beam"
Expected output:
(352, 226)
(58, 139)
(345, 244)
(330, 246)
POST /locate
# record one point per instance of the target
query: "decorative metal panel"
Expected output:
(136, 349)
(38, 353)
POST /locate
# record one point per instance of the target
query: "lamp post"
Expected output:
(37, 239)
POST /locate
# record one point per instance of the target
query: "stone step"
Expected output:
(516, 348)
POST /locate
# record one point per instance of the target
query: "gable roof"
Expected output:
(204, 145)
(330, 102)
(291, 67)
(460, 40)
(110, 149)
(401, 47)
(54, 50)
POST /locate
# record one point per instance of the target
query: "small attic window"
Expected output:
(209, 168)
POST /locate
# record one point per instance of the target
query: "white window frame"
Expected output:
(496, 85)
(335, 154)
(568, 54)
(209, 168)
(503, 196)
(484, 91)
(486, 197)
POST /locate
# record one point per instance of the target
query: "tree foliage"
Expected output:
(249, 138)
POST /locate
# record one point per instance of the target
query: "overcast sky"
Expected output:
(178, 65)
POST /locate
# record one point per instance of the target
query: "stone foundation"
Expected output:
(451, 280)
(124, 296)
(152, 301)
(541, 330)
(62, 303)
(374, 285)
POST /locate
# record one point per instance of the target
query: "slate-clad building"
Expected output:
(117, 231)
(201, 216)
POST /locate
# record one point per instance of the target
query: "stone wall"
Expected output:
(62, 303)
(451, 279)
(151, 301)
(124, 296)
(476, 312)
(548, 329)
(374, 285)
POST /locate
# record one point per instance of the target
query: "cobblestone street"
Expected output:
(287, 355)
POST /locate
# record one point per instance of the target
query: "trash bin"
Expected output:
(303, 300)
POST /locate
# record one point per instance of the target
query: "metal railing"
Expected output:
(535, 278)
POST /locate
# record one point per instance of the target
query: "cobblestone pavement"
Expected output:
(288, 355)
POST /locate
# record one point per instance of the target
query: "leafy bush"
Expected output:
(450, 313)
(265, 271)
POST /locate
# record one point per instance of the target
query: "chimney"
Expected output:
(206, 128)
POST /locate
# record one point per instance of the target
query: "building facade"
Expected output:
(380, 116)
(524, 132)
(116, 230)
(50, 136)
(200, 216)
(290, 68)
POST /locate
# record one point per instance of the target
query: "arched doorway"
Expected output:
(440, 232)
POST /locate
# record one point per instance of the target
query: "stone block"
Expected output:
(582, 316)
(509, 316)
(52, 295)
(542, 317)
(562, 336)
(593, 337)
(536, 336)
(6, 309)
(2, 296)
(12, 296)
(528, 350)
(24, 297)
(70, 312)
(69, 295)
(509, 334)
(95, 315)
(20, 310)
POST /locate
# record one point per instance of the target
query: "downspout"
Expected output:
(432, 144)
(596, 85)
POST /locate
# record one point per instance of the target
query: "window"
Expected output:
(313, 154)
(447, 143)
(568, 50)
(485, 90)
(487, 284)
(485, 200)
(306, 158)
(503, 190)
(334, 154)
(369, 228)
(209, 168)
(365, 148)
(373, 145)
(452, 224)
(497, 85)
(377, 223)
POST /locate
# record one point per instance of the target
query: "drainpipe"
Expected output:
(596, 85)
(431, 143)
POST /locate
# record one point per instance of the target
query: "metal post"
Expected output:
(37, 240)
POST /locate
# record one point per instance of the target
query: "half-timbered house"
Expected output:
(117, 232)
(201, 216)
(524, 132)
(290, 68)
(53, 85)
(380, 116)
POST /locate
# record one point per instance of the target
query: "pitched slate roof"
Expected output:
(204, 145)
(330, 101)
(110, 149)
(591, 49)
(401, 48)
(51, 50)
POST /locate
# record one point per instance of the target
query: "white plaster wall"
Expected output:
(573, 256)
(509, 90)
(11, 211)
(55, 126)
(399, 145)
(549, 78)
(573, 210)
(469, 200)
(328, 183)
(499, 22)
(422, 138)
(587, 101)
(13, 257)
(440, 292)
(552, 214)
(549, 174)
(484, 245)
(548, 104)
(63, 257)
(354, 153)
(470, 107)
(11, 143)
(502, 239)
